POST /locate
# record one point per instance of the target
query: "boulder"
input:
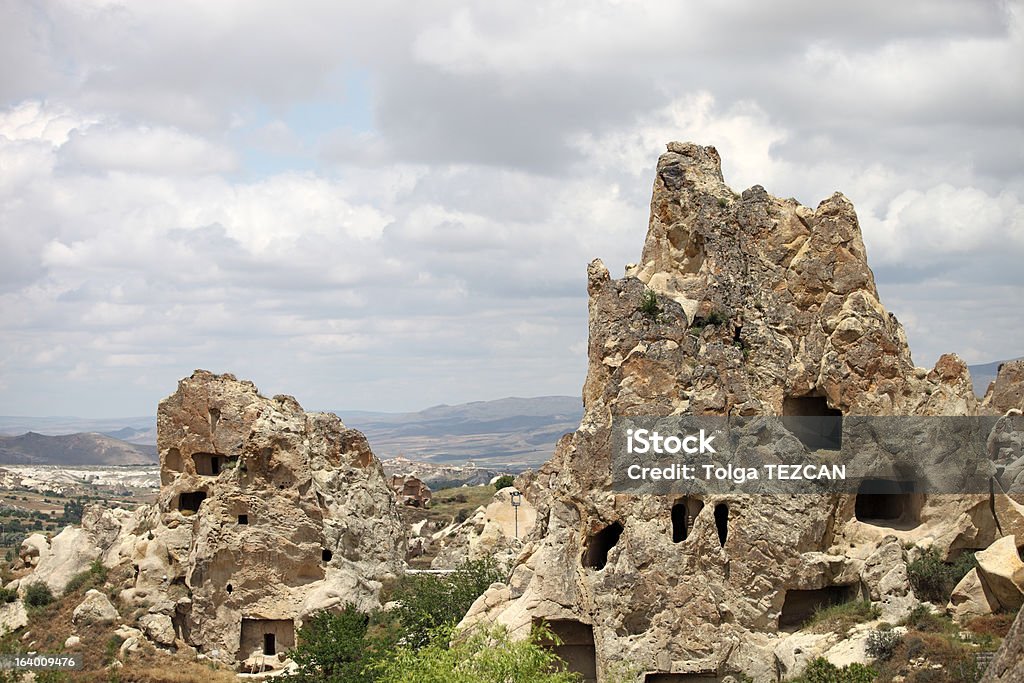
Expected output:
(94, 609)
(69, 553)
(971, 598)
(1002, 571)
(158, 628)
(12, 616)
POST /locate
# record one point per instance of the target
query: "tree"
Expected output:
(338, 647)
(427, 602)
(504, 481)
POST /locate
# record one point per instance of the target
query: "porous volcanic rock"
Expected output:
(266, 514)
(758, 302)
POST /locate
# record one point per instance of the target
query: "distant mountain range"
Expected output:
(509, 432)
(85, 448)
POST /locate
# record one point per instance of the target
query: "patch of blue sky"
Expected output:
(275, 139)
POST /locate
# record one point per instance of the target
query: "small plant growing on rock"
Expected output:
(933, 579)
(882, 642)
(649, 305)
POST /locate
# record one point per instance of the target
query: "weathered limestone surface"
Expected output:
(761, 301)
(1008, 666)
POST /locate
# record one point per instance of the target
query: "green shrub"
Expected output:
(723, 202)
(94, 576)
(840, 618)
(933, 579)
(7, 595)
(882, 643)
(482, 654)
(38, 595)
(427, 602)
(649, 304)
(504, 481)
(823, 671)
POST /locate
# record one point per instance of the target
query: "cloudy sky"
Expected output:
(387, 205)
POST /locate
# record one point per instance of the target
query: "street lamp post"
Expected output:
(517, 500)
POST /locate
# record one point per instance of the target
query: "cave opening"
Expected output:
(810, 419)
(573, 642)
(722, 522)
(800, 605)
(886, 502)
(326, 554)
(595, 554)
(684, 513)
(191, 500)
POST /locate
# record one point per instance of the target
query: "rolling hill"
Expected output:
(85, 448)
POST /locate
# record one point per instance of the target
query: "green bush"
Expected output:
(427, 602)
(823, 671)
(7, 595)
(482, 654)
(649, 304)
(504, 481)
(882, 643)
(38, 595)
(934, 580)
(95, 575)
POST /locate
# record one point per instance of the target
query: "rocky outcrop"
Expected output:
(266, 513)
(493, 531)
(1007, 390)
(742, 304)
(1008, 665)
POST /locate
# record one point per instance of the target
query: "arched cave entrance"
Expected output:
(722, 522)
(684, 512)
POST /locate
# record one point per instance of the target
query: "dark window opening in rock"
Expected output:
(243, 519)
(326, 555)
(207, 464)
(267, 636)
(684, 512)
(722, 522)
(214, 419)
(230, 588)
(595, 554)
(800, 605)
(810, 419)
(884, 502)
(709, 677)
(576, 647)
(191, 500)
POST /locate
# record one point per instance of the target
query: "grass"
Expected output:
(93, 577)
(649, 305)
(842, 617)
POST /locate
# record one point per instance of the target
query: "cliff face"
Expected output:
(743, 304)
(267, 513)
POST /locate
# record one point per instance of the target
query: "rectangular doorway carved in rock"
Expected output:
(265, 636)
(577, 648)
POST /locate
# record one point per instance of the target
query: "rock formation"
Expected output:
(494, 530)
(743, 304)
(266, 514)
